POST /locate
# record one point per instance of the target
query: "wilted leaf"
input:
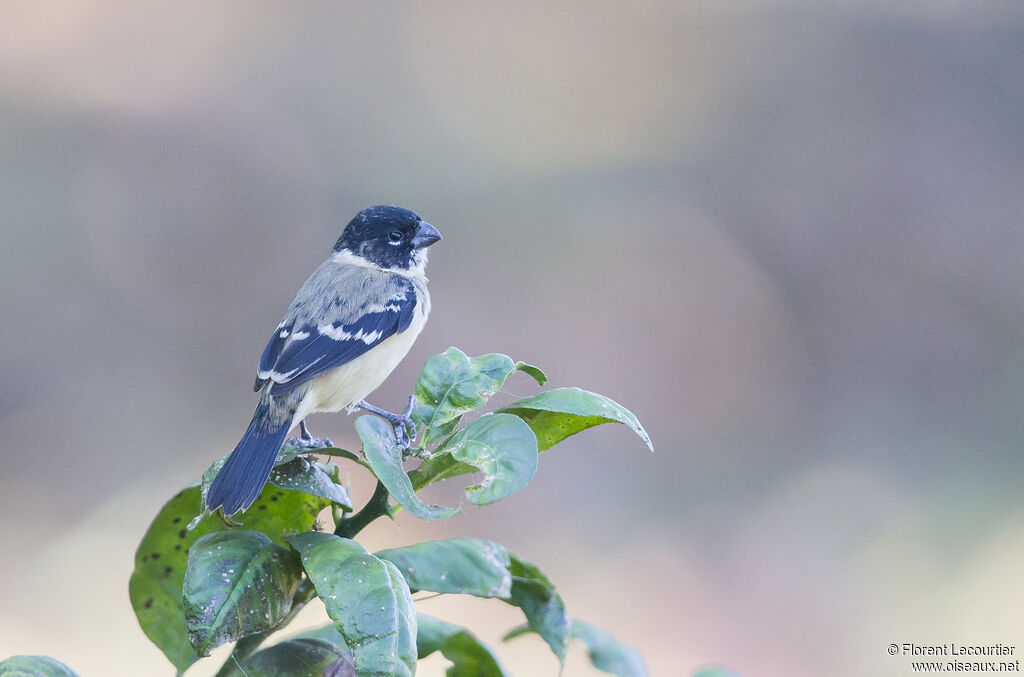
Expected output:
(469, 657)
(385, 457)
(559, 413)
(468, 566)
(156, 583)
(237, 583)
(368, 600)
(34, 666)
(607, 654)
(503, 448)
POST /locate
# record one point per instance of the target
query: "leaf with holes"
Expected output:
(503, 448)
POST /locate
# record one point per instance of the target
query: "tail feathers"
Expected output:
(241, 479)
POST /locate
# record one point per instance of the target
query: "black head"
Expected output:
(388, 236)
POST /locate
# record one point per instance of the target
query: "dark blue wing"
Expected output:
(299, 352)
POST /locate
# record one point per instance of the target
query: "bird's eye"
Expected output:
(394, 237)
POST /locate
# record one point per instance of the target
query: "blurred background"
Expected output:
(786, 234)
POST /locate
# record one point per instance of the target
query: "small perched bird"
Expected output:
(349, 326)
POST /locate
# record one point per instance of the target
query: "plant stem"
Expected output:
(376, 507)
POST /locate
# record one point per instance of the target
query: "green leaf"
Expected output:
(539, 376)
(34, 666)
(385, 457)
(452, 384)
(297, 657)
(542, 605)
(367, 599)
(607, 654)
(716, 671)
(559, 413)
(468, 566)
(503, 448)
(436, 469)
(311, 478)
(237, 583)
(156, 583)
(469, 656)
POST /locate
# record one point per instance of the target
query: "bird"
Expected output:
(348, 327)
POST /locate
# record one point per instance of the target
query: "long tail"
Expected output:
(241, 479)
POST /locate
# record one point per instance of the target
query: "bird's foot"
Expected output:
(307, 441)
(403, 425)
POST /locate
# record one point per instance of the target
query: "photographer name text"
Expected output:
(908, 649)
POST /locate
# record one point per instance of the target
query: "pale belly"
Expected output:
(342, 387)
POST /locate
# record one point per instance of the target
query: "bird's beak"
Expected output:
(426, 235)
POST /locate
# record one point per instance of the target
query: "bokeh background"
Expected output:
(787, 234)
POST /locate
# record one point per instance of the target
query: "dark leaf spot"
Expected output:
(182, 533)
(155, 555)
(148, 604)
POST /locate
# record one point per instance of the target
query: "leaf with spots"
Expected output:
(385, 457)
(156, 583)
(34, 666)
(452, 384)
(469, 566)
(559, 413)
(469, 656)
(315, 479)
(237, 583)
(293, 472)
(368, 600)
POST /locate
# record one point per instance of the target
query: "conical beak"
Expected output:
(426, 235)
